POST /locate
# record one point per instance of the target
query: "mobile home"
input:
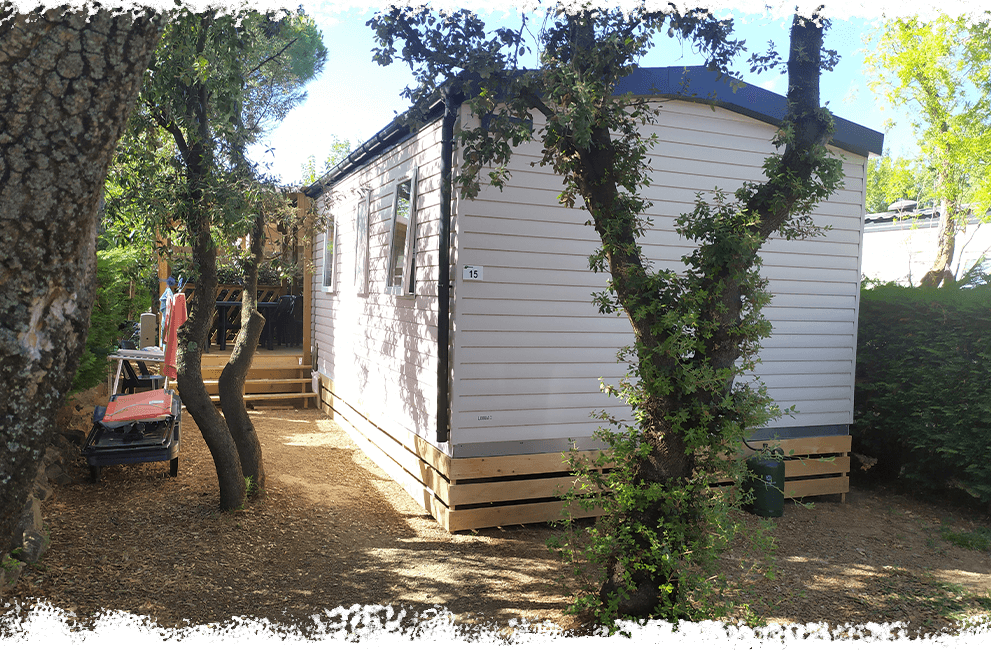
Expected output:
(460, 348)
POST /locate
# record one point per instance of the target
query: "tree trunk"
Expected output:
(68, 81)
(192, 341)
(236, 371)
(193, 336)
(946, 243)
(670, 462)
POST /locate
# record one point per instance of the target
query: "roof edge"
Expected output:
(698, 84)
(685, 83)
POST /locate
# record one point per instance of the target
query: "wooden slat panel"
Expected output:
(528, 513)
(270, 397)
(492, 467)
(433, 457)
(817, 486)
(375, 442)
(538, 488)
(819, 445)
(414, 486)
(813, 466)
(399, 461)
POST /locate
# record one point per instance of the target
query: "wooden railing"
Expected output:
(234, 293)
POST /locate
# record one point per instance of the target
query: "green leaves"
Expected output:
(201, 68)
(922, 397)
(937, 74)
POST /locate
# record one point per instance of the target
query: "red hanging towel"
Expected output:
(176, 317)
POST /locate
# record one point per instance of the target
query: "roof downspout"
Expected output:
(444, 261)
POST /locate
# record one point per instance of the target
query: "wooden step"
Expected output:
(258, 361)
(269, 397)
(262, 386)
(255, 374)
(213, 383)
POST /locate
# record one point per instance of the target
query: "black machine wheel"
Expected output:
(94, 473)
(174, 467)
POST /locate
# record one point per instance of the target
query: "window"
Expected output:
(361, 246)
(330, 256)
(401, 270)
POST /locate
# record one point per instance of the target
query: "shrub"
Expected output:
(112, 311)
(923, 392)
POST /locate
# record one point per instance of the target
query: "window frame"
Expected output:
(362, 214)
(330, 257)
(408, 283)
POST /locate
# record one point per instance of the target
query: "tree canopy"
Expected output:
(890, 179)
(939, 74)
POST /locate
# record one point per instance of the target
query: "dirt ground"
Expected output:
(332, 530)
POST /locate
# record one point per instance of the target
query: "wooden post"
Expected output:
(163, 276)
(306, 218)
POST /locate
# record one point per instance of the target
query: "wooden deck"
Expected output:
(280, 376)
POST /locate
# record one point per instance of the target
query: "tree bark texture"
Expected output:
(68, 81)
(231, 386)
(192, 341)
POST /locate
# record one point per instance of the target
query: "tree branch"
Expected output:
(271, 58)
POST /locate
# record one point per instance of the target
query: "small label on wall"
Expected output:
(472, 272)
(484, 418)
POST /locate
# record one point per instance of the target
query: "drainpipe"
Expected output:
(444, 260)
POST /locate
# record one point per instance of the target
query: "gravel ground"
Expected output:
(332, 530)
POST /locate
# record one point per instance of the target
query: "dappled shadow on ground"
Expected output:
(880, 557)
(331, 531)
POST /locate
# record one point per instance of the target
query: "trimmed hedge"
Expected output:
(923, 392)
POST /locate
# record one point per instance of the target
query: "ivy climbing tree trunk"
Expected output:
(723, 280)
(68, 81)
(695, 329)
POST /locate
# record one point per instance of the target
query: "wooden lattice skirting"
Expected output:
(472, 493)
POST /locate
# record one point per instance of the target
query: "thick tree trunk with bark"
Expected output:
(231, 385)
(68, 81)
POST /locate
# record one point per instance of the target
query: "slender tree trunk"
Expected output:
(946, 243)
(236, 371)
(192, 341)
(193, 336)
(68, 81)
(231, 385)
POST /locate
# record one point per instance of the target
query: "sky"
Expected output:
(354, 98)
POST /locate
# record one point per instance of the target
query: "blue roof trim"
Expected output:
(696, 83)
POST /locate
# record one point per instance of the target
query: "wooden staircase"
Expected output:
(275, 377)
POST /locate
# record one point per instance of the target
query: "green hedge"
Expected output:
(109, 321)
(923, 393)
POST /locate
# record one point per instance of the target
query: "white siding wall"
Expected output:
(529, 347)
(380, 350)
(904, 251)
